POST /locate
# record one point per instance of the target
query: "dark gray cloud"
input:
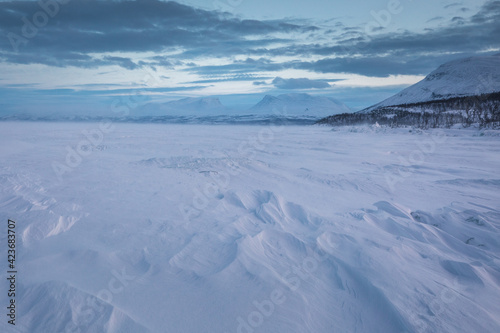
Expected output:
(231, 77)
(81, 27)
(455, 4)
(239, 68)
(302, 83)
(120, 61)
(489, 13)
(381, 54)
(84, 33)
(437, 18)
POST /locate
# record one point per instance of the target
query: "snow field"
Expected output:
(216, 228)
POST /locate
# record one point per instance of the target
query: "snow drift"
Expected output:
(195, 228)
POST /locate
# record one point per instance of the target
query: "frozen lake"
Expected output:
(219, 228)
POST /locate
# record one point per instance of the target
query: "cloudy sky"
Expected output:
(81, 55)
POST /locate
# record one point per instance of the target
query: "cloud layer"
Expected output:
(302, 83)
(211, 47)
(90, 33)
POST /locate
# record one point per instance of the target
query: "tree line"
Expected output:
(483, 110)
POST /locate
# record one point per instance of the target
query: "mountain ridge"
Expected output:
(299, 104)
(471, 76)
(292, 104)
(464, 91)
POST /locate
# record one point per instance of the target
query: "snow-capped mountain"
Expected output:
(185, 106)
(459, 78)
(201, 104)
(286, 105)
(463, 92)
(299, 105)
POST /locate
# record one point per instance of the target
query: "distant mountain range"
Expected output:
(464, 91)
(182, 107)
(289, 108)
(299, 105)
(283, 105)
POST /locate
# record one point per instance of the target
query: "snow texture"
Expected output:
(218, 228)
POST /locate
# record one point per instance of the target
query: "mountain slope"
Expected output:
(459, 78)
(464, 92)
(299, 105)
(286, 105)
(202, 104)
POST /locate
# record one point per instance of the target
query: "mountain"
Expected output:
(304, 106)
(183, 107)
(464, 91)
(299, 105)
(290, 108)
(199, 104)
(471, 76)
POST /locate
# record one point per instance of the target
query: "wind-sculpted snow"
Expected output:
(57, 307)
(246, 229)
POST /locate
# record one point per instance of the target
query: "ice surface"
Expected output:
(218, 228)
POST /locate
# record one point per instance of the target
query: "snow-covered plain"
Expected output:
(216, 228)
